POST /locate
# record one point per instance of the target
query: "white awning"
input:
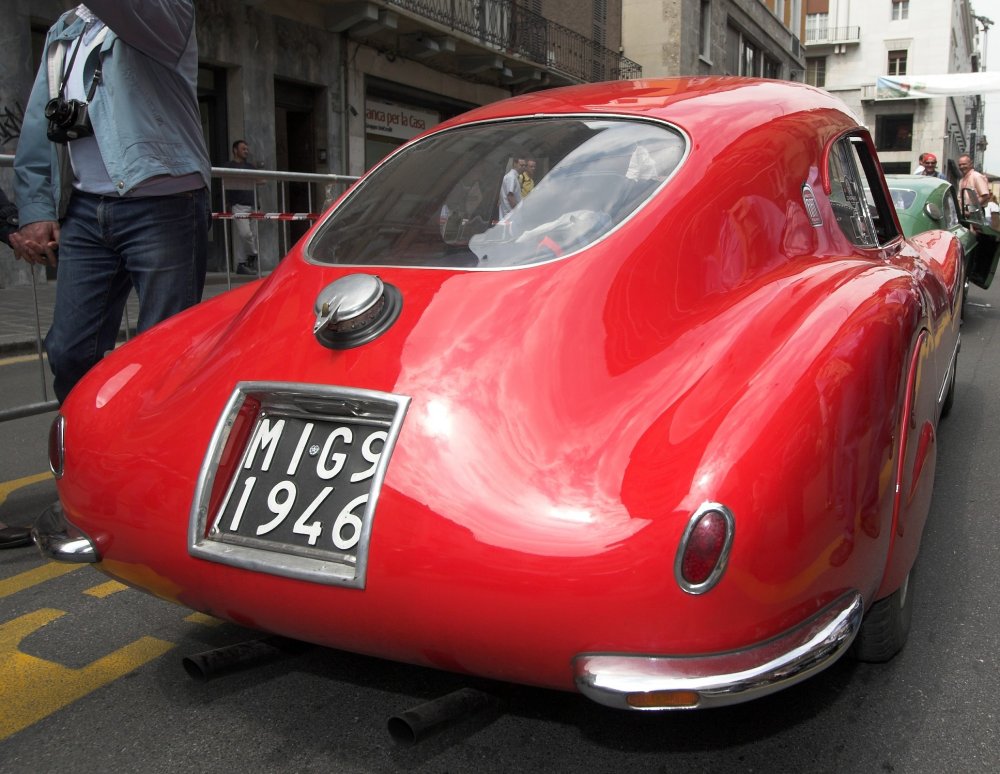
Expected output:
(947, 85)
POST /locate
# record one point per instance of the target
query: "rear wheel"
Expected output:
(886, 626)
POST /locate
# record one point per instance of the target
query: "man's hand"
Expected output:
(37, 242)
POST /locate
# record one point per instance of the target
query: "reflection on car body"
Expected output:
(665, 435)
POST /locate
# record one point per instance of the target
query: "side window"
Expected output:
(861, 209)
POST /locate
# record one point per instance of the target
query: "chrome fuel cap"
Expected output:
(355, 310)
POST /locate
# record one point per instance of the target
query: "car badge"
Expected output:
(812, 209)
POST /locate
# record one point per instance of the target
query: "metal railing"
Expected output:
(321, 188)
(509, 28)
(833, 35)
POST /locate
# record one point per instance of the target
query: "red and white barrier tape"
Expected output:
(266, 215)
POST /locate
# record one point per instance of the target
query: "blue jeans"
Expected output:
(107, 244)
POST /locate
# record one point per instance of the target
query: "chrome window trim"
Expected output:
(597, 116)
(314, 400)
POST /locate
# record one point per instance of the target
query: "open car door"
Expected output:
(983, 262)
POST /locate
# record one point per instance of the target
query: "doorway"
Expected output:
(295, 150)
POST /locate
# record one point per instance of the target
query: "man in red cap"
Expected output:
(928, 163)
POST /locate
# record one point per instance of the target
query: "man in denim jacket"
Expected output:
(112, 173)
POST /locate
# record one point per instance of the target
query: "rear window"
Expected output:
(902, 198)
(438, 202)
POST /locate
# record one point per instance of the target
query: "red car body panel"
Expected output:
(567, 418)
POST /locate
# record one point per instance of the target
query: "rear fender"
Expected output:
(917, 455)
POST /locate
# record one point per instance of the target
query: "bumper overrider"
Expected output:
(57, 539)
(637, 682)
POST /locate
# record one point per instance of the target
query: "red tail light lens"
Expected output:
(704, 549)
(57, 448)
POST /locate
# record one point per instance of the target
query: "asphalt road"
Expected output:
(91, 675)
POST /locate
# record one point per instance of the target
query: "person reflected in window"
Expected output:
(510, 188)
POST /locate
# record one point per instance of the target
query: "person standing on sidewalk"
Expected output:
(240, 201)
(112, 174)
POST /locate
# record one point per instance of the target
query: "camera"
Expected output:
(68, 120)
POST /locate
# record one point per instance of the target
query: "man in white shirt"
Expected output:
(510, 188)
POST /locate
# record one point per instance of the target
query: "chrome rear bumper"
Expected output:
(629, 681)
(57, 539)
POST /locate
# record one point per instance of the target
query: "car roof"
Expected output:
(692, 103)
(919, 183)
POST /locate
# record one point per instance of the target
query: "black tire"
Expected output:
(886, 626)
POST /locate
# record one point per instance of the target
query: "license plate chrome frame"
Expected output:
(317, 402)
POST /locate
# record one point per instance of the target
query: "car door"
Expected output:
(983, 263)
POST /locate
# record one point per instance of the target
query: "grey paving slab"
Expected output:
(26, 311)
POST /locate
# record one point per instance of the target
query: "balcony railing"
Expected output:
(833, 35)
(510, 29)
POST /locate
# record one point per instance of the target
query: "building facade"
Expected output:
(331, 86)
(849, 44)
(715, 37)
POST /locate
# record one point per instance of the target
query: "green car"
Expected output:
(926, 203)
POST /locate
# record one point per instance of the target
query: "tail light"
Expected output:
(704, 549)
(57, 448)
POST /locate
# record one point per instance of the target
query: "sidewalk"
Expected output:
(19, 332)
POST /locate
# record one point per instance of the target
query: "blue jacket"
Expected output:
(144, 112)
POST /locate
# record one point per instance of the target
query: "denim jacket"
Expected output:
(144, 111)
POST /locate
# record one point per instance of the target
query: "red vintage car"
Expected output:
(664, 433)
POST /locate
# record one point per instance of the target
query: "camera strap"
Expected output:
(55, 64)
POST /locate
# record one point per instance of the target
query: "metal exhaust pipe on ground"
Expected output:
(413, 725)
(242, 655)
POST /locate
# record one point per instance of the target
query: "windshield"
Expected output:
(500, 194)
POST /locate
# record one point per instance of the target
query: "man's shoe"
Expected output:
(12, 537)
(242, 268)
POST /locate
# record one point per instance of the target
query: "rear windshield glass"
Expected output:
(501, 194)
(902, 198)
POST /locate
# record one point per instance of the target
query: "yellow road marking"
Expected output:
(204, 620)
(106, 589)
(7, 487)
(15, 359)
(32, 688)
(30, 578)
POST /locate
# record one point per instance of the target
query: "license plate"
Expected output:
(303, 486)
(301, 500)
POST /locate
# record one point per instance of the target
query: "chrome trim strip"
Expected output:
(57, 539)
(951, 366)
(725, 678)
(318, 400)
(720, 565)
